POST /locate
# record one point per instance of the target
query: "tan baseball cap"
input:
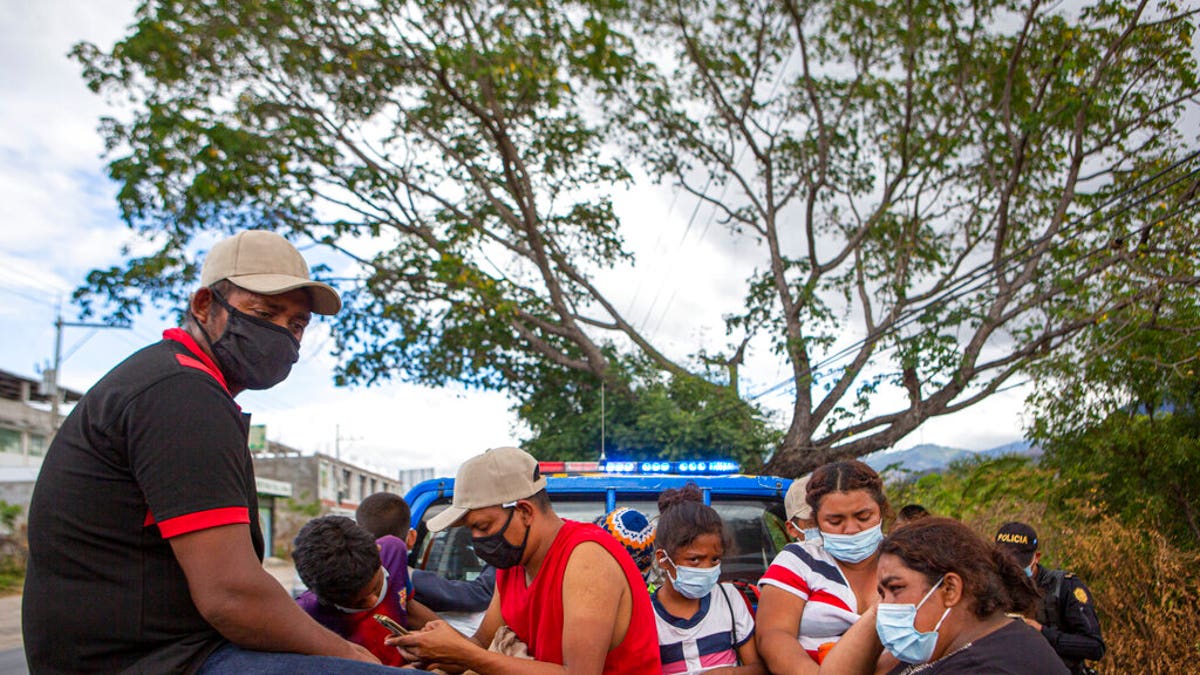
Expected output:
(264, 262)
(498, 476)
(793, 502)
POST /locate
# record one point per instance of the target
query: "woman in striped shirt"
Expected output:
(815, 590)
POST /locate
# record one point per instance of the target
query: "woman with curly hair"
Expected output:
(947, 596)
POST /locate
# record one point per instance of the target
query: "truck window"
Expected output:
(753, 527)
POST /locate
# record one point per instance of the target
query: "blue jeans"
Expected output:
(229, 658)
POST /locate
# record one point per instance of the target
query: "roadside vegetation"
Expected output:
(13, 551)
(1145, 581)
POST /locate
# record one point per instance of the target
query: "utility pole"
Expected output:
(55, 388)
(602, 456)
(337, 452)
(343, 491)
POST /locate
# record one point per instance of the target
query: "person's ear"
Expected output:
(526, 509)
(201, 304)
(792, 531)
(952, 589)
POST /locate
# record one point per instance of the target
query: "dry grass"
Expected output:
(1146, 592)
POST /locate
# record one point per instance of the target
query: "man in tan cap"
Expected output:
(568, 590)
(145, 551)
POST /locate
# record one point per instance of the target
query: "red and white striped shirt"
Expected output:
(808, 572)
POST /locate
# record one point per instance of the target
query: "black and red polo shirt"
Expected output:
(156, 449)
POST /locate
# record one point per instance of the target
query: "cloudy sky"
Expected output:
(59, 220)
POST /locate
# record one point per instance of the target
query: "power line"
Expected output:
(978, 278)
(700, 202)
(962, 287)
(20, 293)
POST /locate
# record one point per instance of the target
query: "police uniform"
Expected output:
(1066, 612)
(1068, 618)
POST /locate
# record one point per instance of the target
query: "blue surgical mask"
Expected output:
(382, 595)
(894, 622)
(852, 548)
(694, 582)
(1029, 570)
(812, 534)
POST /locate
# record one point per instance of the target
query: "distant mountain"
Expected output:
(1023, 448)
(928, 457)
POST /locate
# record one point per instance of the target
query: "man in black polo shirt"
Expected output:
(145, 553)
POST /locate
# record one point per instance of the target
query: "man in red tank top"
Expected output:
(568, 590)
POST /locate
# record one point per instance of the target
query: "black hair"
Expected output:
(384, 513)
(335, 558)
(934, 546)
(683, 516)
(540, 499)
(224, 287)
(911, 512)
(845, 476)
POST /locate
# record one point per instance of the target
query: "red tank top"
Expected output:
(535, 612)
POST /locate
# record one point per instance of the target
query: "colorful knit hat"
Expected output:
(634, 531)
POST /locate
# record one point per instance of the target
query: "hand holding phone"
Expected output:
(390, 624)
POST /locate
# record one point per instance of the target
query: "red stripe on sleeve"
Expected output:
(828, 598)
(203, 520)
(786, 577)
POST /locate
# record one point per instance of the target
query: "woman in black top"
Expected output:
(945, 593)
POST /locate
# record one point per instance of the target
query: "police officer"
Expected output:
(1066, 615)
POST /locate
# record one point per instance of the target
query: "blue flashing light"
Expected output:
(711, 467)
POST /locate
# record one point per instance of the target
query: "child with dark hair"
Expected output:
(703, 626)
(385, 513)
(350, 578)
(461, 603)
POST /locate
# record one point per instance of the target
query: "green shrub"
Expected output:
(1146, 588)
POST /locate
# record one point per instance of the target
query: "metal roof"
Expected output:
(11, 385)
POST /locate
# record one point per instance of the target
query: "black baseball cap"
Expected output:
(1018, 539)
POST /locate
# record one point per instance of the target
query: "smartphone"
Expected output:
(390, 624)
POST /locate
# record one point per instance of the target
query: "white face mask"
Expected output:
(853, 548)
(895, 624)
(382, 594)
(694, 582)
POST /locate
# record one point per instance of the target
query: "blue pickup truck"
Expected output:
(751, 506)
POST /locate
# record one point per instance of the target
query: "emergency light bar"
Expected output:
(713, 467)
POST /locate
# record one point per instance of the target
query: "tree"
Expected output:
(945, 175)
(916, 168)
(654, 416)
(1119, 414)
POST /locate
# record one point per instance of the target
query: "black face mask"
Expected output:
(252, 353)
(495, 550)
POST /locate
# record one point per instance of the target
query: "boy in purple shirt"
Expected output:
(351, 577)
